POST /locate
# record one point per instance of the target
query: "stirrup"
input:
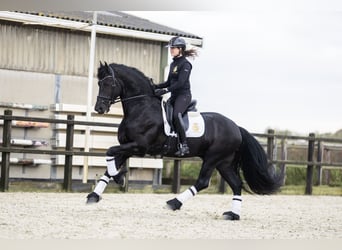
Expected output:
(183, 149)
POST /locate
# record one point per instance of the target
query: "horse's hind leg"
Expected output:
(230, 175)
(202, 182)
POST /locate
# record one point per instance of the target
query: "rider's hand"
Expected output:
(160, 92)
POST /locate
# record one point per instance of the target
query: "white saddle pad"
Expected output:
(196, 125)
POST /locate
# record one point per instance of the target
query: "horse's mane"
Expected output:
(126, 72)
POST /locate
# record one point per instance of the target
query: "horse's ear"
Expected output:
(101, 65)
(107, 67)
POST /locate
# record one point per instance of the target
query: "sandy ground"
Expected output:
(144, 216)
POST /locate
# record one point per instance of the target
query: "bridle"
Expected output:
(112, 100)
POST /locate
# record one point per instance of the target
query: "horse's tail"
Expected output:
(260, 175)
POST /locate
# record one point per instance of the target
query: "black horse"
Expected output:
(224, 146)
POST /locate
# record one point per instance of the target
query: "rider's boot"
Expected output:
(183, 147)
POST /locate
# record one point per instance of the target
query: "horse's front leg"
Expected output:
(116, 156)
(100, 187)
(201, 183)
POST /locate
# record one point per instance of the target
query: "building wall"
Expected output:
(59, 51)
(45, 66)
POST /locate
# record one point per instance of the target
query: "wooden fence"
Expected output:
(314, 144)
(7, 149)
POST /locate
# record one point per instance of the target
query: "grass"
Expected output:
(164, 189)
(316, 190)
(285, 190)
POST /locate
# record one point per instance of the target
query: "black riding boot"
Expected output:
(183, 148)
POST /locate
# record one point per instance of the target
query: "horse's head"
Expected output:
(109, 88)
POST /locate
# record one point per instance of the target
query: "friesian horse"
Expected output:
(224, 146)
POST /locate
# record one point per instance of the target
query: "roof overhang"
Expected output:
(28, 19)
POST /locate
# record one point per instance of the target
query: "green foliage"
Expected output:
(316, 190)
(296, 175)
(337, 134)
(190, 170)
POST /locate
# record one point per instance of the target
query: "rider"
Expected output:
(178, 84)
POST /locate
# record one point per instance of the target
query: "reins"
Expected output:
(128, 98)
(113, 101)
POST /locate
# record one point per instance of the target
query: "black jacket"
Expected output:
(178, 79)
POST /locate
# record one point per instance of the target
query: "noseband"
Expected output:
(111, 99)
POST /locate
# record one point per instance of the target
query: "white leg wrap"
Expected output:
(187, 194)
(111, 168)
(101, 185)
(236, 204)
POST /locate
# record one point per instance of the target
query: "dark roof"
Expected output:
(115, 19)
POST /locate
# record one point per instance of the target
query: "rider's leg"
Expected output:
(180, 105)
(183, 146)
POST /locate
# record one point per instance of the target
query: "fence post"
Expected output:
(319, 160)
(68, 157)
(283, 158)
(176, 177)
(326, 172)
(270, 144)
(309, 170)
(6, 143)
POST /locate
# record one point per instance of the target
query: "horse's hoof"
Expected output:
(230, 216)
(120, 178)
(122, 182)
(173, 204)
(93, 198)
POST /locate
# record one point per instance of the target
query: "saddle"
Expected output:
(192, 121)
(185, 118)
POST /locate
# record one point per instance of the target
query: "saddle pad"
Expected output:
(196, 125)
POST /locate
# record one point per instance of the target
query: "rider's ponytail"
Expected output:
(190, 53)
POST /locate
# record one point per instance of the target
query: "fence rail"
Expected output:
(313, 143)
(6, 149)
